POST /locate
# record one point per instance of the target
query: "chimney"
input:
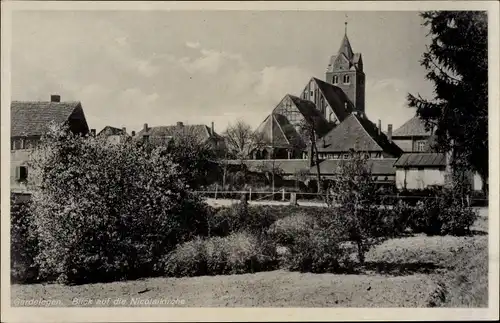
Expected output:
(379, 126)
(146, 128)
(389, 132)
(180, 124)
(213, 131)
(92, 132)
(133, 133)
(55, 98)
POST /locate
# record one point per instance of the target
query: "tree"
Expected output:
(309, 133)
(195, 156)
(457, 64)
(106, 211)
(241, 140)
(354, 193)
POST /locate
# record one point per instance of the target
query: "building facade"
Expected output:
(29, 121)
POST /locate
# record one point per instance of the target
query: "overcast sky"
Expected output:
(130, 68)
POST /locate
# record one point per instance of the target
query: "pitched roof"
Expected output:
(357, 133)
(31, 118)
(201, 131)
(111, 131)
(336, 99)
(277, 131)
(288, 166)
(413, 127)
(421, 160)
(384, 166)
(345, 48)
(311, 114)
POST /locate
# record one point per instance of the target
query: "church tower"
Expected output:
(345, 70)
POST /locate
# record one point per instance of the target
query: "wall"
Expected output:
(419, 179)
(18, 158)
(405, 144)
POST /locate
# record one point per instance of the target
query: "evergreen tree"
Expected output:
(457, 64)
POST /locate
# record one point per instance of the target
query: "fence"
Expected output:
(283, 195)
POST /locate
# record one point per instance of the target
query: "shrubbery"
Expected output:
(109, 211)
(235, 254)
(442, 215)
(23, 243)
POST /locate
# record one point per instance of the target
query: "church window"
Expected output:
(312, 93)
(335, 79)
(346, 79)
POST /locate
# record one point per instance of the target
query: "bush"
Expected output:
(287, 231)
(109, 211)
(235, 254)
(442, 215)
(243, 217)
(23, 243)
(318, 251)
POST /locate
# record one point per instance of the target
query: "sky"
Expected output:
(128, 68)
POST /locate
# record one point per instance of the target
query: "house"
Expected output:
(114, 135)
(357, 133)
(29, 121)
(413, 136)
(164, 134)
(417, 171)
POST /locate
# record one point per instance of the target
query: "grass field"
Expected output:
(416, 271)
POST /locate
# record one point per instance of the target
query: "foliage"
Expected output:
(23, 242)
(235, 254)
(442, 215)
(243, 218)
(353, 194)
(318, 251)
(241, 140)
(108, 211)
(195, 157)
(288, 230)
(457, 64)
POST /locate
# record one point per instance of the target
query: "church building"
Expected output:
(334, 109)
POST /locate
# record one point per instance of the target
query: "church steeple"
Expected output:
(345, 70)
(345, 46)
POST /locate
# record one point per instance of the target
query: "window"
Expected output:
(346, 156)
(347, 79)
(421, 145)
(145, 138)
(21, 173)
(311, 93)
(335, 79)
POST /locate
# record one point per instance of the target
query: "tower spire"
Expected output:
(345, 29)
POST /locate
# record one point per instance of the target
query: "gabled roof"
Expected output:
(336, 99)
(202, 132)
(111, 131)
(311, 114)
(31, 118)
(277, 131)
(421, 160)
(357, 133)
(413, 127)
